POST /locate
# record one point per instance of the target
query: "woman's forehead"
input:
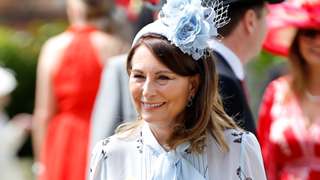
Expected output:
(144, 59)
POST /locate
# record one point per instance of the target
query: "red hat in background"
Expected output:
(285, 19)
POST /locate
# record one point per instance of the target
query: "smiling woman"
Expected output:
(171, 86)
(182, 130)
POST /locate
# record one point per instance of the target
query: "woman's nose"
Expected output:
(149, 89)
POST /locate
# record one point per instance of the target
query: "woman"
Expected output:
(289, 117)
(182, 131)
(68, 78)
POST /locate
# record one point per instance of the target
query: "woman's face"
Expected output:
(309, 44)
(158, 94)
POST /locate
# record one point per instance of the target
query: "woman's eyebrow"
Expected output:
(164, 71)
(137, 70)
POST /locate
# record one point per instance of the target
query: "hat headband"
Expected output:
(188, 25)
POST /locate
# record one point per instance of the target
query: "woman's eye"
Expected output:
(163, 78)
(138, 76)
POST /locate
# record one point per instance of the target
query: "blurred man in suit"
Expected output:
(242, 41)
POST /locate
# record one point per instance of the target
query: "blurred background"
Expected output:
(26, 24)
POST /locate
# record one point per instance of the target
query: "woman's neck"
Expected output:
(161, 133)
(314, 81)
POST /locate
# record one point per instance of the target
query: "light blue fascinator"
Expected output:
(188, 24)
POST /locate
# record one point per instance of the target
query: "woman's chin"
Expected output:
(151, 119)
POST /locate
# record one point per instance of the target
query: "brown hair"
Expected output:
(298, 67)
(206, 117)
(236, 12)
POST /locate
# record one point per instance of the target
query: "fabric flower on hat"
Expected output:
(190, 25)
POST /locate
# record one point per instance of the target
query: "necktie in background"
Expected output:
(246, 92)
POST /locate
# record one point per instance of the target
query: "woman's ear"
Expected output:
(194, 84)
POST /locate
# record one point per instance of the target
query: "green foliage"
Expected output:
(259, 73)
(19, 51)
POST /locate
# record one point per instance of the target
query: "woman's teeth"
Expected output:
(153, 105)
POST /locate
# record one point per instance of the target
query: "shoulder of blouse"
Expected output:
(277, 89)
(281, 82)
(234, 138)
(244, 152)
(118, 144)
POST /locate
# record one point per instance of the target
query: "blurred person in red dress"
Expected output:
(68, 77)
(289, 116)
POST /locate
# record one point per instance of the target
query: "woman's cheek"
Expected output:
(135, 95)
(135, 91)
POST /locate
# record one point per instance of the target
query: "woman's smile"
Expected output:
(316, 50)
(152, 106)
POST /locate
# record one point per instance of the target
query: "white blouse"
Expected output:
(139, 156)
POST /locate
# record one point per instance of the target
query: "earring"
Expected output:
(190, 102)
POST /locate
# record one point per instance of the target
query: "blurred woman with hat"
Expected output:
(289, 117)
(13, 132)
